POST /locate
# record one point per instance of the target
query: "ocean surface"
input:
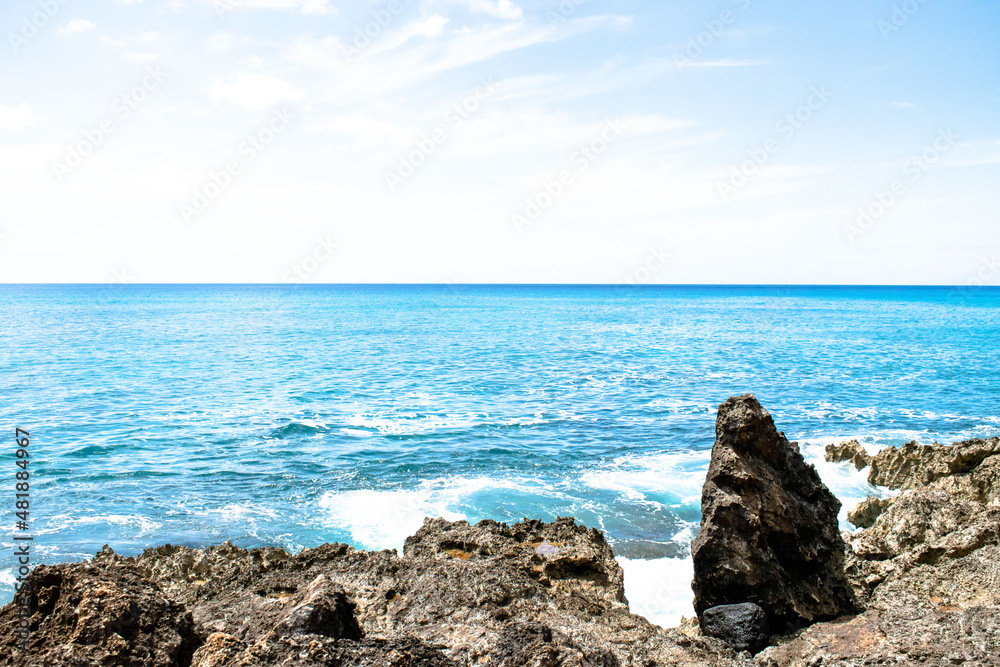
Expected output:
(298, 415)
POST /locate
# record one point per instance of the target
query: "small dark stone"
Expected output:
(743, 626)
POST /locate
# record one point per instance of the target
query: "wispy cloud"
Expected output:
(256, 91)
(76, 26)
(976, 154)
(16, 118)
(501, 9)
(314, 7)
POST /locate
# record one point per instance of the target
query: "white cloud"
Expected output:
(501, 9)
(139, 57)
(16, 118)
(31, 158)
(369, 132)
(432, 26)
(976, 154)
(113, 42)
(256, 91)
(76, 26)
(221, 41)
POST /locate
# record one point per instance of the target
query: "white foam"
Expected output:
(847, 483)
(244, 512)
(681, 474)
(660, 589)
(411, 423)
(384, 519)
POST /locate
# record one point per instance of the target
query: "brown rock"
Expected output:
(850, 450)
(869, 509)
(530, 593)
(971, 467)
(928, 544)
(769, 531)
(903, 636)
(93, 614)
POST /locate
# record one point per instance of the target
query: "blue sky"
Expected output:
(500, 141)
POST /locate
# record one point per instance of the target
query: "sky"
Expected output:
(500, 141)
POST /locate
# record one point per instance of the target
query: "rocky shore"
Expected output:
(776, 583)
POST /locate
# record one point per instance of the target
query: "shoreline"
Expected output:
(672, 569)
(461, 593)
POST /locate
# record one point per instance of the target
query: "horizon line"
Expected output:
(496, 284)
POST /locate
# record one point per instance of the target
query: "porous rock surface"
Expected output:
(867, 511)
(927, 569)
(849, 450)
(743, 626)
(98, 614)
(940, 538)
(532, 593)
(769, 532)
(970, 469)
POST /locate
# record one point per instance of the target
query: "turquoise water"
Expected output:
(297, 415)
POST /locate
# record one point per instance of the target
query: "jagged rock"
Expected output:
(325, 610)
(551, 553)
(929, 544)
(94, 614)
(928, 567)
(222, 650)
(970, 468)
(850, 450)
(532, 593)
(742, 626)
(769, 531)
(902, 636)
(869, 509)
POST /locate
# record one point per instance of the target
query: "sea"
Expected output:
(294, 415)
